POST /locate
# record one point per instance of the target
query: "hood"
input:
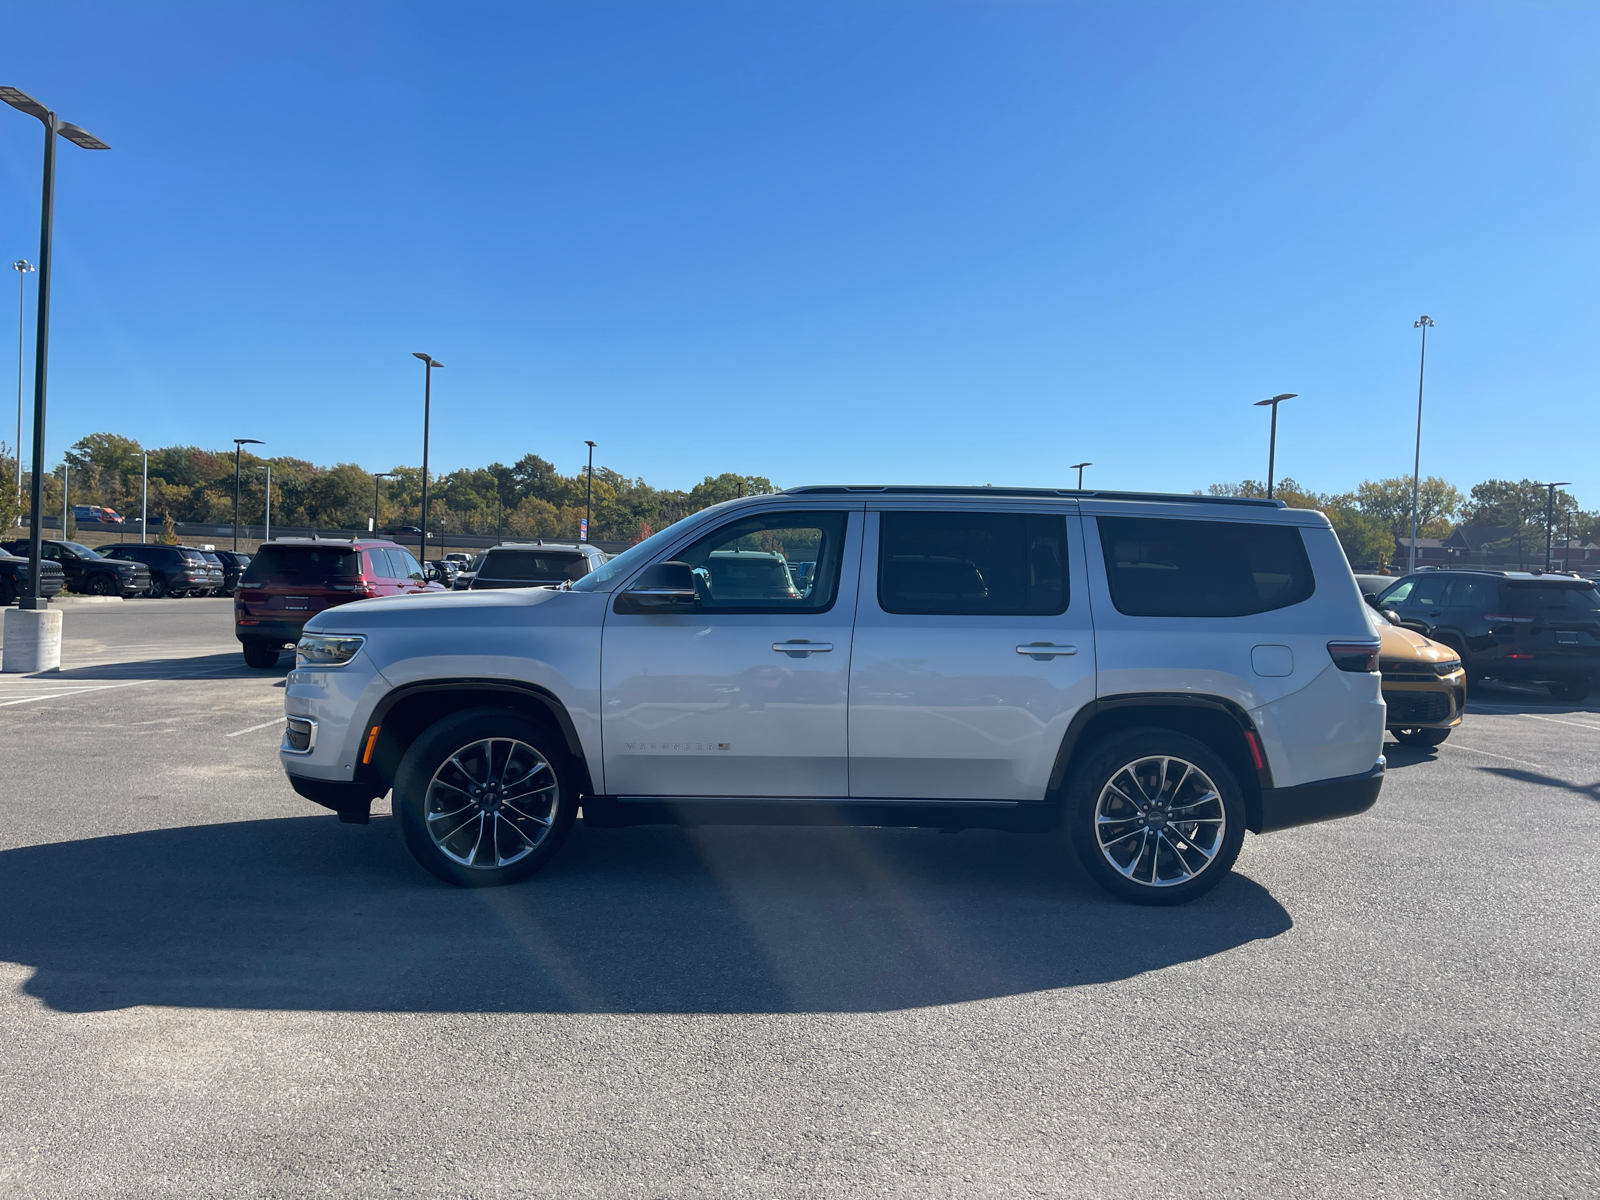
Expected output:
(1408, 646)
(469, 608)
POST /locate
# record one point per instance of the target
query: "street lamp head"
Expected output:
(588, 443)
(22, 264)
(1075, 466)
(1277, 399)
(23, 102)
(80, 137)
(427, 358)
(1423, 322)
(248, 442)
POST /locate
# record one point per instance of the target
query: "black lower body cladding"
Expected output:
(352, 801)
(1324, 800)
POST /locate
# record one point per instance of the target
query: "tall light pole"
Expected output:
(429, 365)
(1079, 468)
(377, 475)
(267, 508)
(238, 453)
(53, 125)
(144, 496)
(588, 491)
(1550, 519)
(1272, 442)
(1423, 323)
(64, 469)
(22, 267)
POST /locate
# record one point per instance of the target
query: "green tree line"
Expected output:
(529, 498)
(1370, 518)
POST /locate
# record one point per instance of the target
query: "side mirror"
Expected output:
(1371, 598)
(661, 588)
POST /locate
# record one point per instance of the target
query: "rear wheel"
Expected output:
(1155, 816)
(485, 797)
(1571, 691)
(1420, 737)
(105, 585)
(261, 654)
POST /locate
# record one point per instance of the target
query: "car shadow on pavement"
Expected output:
(306, 913)
(198, 665)
(1588, 791)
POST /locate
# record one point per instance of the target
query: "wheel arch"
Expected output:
(404, 713)
(1218, 722)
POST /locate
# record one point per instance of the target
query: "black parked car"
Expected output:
(537, 564)
(87, 572)
(14, 577)
(233, 565)
(174, 570)
(1508, 625)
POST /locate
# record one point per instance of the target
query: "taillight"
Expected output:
(1354, 656)
(1506, 619)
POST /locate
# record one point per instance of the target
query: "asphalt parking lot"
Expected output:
(209, 987)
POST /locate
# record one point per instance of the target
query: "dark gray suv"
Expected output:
(538, 564)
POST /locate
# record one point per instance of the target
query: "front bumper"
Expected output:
(1435, 704)
(1325, 800)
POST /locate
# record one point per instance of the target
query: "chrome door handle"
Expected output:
(1039, 651)
(799, 647)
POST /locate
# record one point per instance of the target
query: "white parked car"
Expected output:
(1157, 673)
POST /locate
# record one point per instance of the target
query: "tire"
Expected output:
(158, 587)
(468, 750)
(1420, 737)
(1571, 691)
(105, 585)
(261, 654)
(1103, 820)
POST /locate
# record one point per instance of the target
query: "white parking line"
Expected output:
(253, 728)
(1470, 750)
(1558, 721)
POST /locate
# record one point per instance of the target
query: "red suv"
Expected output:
(289, 582)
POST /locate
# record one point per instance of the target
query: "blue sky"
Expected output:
(900, 242)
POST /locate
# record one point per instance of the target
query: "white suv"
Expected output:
(1157, 673)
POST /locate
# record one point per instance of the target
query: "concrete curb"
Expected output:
(82, 601)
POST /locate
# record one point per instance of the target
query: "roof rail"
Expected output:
(1068, 493)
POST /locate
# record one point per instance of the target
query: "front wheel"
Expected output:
(157, 588)
(1420, 737)
(485, 797)
(105, 585)
(1155, 816)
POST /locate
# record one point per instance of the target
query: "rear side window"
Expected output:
(302, 564)
(526, 567)
(979, 564)
(1159, 567)
(1554, 603)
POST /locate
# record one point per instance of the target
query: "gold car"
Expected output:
(1424, 686)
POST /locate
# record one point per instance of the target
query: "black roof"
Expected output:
(1049, 493)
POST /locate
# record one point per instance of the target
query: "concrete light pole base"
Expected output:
(32, 640)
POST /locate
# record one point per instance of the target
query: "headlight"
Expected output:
(1448, 667)
(326, 649)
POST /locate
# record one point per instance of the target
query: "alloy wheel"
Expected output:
(1160, 821)
(492, 803)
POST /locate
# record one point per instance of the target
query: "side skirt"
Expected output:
(1013, 815)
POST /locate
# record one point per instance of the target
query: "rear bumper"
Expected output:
(1325, 800)
(279, 632)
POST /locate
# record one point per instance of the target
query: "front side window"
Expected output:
(408, 567)
(972, 563)
(1162, 567)
(771, 562)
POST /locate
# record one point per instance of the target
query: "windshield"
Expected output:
(631, 558)
(80, 550)
(302, 564)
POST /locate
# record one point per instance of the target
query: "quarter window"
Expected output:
(772, 562)
(979, 564)
(1160, 567)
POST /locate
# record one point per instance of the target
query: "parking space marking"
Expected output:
(253, 728)
(1559, 721)
(1521, 762)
